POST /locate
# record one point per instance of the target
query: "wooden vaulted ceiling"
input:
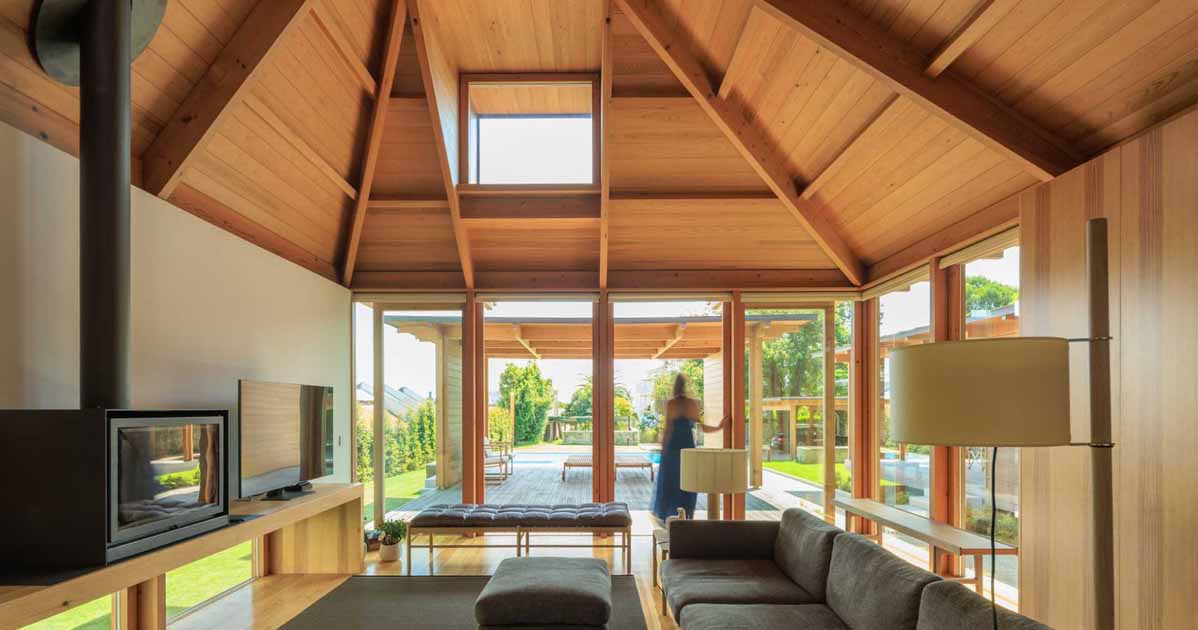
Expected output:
(745, 142)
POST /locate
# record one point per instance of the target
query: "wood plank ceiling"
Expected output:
(746, 142)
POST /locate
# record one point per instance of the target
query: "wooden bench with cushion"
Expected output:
(522, 520)
(584, 461)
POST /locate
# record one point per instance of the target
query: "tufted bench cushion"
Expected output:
(468, 515)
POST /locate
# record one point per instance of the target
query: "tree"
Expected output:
(581, 400)
(534, 397)
(984, 294)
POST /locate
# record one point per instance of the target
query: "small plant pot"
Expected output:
(389, 553)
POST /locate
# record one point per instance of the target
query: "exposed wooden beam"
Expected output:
(526, 208)
(975, 227)
(225, 83)
(494, 190)
(440, 80)
(297, 142)
(605, 85)
(404, 203)
(979, 22)
(618, 280)
(841, 29)
(344, 50)
(679, 332)
(520, 339)
(758, 150)
(374, 140)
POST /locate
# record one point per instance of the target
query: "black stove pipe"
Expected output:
(104, 239)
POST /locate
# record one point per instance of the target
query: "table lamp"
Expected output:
(715, 471)
(1014, 391)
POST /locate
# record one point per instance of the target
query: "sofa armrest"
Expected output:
(723, 540)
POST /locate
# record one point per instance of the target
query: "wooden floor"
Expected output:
(269, 602)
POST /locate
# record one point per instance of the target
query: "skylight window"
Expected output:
(532, 149)
(530, 129)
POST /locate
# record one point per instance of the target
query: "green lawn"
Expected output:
(398, 490)
(186, 587)
(811, 472)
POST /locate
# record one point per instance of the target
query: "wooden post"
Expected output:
(141, 606)
(947, 480)
(736, 502)
(471, 459)
(756, 416)
(791, 447)
(865, 386)
(442, 403)
(188, 437)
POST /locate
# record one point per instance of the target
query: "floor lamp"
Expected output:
(1011, 392)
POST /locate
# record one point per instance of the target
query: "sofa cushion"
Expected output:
(950, 606)
(870, 588)
(760, 617)
(688, 581)
(723, 540)
(803, 549)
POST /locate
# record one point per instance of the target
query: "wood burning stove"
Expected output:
(91, 487)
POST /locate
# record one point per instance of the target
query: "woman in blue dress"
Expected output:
(682, 414)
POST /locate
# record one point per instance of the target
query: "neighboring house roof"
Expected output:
(396, 401)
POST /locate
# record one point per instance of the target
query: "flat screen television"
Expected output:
(285, 433)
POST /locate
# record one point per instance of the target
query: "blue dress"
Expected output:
(668, 495)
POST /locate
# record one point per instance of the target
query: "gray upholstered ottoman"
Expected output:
(544, 593)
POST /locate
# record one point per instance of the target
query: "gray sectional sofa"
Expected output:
(803, 574)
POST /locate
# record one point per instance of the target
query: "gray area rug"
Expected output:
(430, 603)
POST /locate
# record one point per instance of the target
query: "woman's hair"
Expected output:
(680, 386)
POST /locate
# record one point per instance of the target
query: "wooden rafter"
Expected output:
(298, 143)
(980, 21)
(226, 82)
(441, 89)
(679, 333)
(882, 120)
(852, 36)
(344, 49)
(757, 149)
(374, 140)
(605, 84)
(519, 336)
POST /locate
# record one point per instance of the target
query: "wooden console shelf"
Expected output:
(319, 533)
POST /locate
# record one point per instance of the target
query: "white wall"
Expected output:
(208, 307)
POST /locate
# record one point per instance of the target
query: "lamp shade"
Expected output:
(715, 470)
(1011, 391)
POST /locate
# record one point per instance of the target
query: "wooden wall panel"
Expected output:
(636, 68)
(407, 164)
(361, 23)
(712, 233)
(411, 239)
(925, 26)
(536, 35)
(534, 245)
(451, 440)
(1157, 502)
(669, 144)
(1147, 189)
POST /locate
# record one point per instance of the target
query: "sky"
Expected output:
(535, 150)
(912, 308)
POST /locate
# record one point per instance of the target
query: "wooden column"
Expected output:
(481, 383)
(443, 457)
(948, 324)
(733, 352)
(864, 391)
(603, 428)
(756, 415)
(830, 412)
(141, 606)
(471, 459)
(377, 424)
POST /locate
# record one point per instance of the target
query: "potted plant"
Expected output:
(393, 533)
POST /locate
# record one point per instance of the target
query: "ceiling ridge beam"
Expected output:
(223, 85)
(344, 50)
(972, 28)
(445, 135)
(757, 149)
(853, 37)
(605, 87)
(290, 136)
(374, 140)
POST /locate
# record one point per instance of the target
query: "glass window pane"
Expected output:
(905, 319)
(655, 342)
(992, 310)
(196, 583)
(535, 149)
(94, 615)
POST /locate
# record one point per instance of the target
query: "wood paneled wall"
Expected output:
(1148, 189)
